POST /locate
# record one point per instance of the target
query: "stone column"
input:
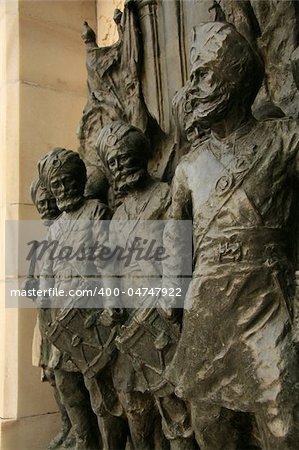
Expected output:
(43, 91)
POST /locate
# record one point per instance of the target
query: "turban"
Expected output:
(97, 185)
(35, 187)
(58, 158)
(112, 135)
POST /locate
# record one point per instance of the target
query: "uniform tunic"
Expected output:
(126, 224)
(236, 330)
(75, 229)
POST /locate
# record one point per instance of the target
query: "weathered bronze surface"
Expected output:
(139, 381)
(237, 334)
(222, 373)
(42, 349)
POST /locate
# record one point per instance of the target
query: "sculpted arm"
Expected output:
(177, 240)
(46, 276)
(181, 204)
(113, 312)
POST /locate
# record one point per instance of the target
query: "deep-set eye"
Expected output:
(111, 162)
(196, 75)
(55, 185)
(123, 158)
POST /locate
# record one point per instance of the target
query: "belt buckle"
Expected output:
(230, 252)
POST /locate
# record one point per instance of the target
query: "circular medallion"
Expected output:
(111, 140)
(188, 107)
(223, 184)
(56, 162)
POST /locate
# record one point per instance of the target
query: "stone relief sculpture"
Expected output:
(114, 83)
(125, 151)
(263, 24)
(41, 348)
(223, 372)
(240, 315)
(64, 174)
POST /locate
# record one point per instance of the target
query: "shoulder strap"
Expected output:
(216, 202)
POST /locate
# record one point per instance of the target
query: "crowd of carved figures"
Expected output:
(222, 373)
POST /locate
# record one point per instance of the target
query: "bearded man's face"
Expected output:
(125, 168)
(210, 94)
(67, 189)
(46, 206)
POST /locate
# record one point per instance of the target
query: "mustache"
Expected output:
(219, 91)
(68, 195)
(127, 180)
(50, 213)
(208, 108)
(126, 173)
(67, 202)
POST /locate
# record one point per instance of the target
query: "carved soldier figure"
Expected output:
(41, 347)
(64, 174)
(237, 187)
(125, 152)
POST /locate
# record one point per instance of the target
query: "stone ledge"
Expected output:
(28, 433)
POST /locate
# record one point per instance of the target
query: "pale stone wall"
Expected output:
(106, 28)
(43, 92)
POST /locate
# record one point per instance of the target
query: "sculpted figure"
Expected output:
(114, 82)
(125, 151)
(264, 25)
(188, 132)
(41, 349)
(238, 188)
(71, 331)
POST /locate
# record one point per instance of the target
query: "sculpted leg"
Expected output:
(213, 427)
(114, 428)
(64, 435)
(141, 414)
(60, 438)
(114, 432)
(176, 423)
(76, 400)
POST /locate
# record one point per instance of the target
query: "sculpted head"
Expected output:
(183, 114)
(63, 172)
(125, 151)
(44, 201)
(226, 72)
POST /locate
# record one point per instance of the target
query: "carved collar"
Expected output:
(235, 144)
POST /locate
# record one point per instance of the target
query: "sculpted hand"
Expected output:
(30, 284)
(88, 35)
(110, 317)
(43, 302)
(167, 309)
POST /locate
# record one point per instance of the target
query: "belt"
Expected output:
(258, 245)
